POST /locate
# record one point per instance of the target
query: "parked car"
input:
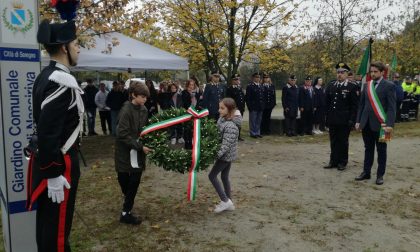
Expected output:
(142, 80)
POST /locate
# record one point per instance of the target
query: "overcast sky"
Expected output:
(313, 14)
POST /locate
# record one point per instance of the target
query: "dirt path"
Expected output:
(285, 201)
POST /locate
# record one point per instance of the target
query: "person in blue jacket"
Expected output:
(289, 100)
(255, 102)
(213, 93)
(306, 106)
(270, 103)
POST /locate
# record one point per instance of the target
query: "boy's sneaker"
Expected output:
(181, 141)
(173, 141)
(128, 218)
(222, 206)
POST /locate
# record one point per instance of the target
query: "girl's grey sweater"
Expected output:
(229, 133)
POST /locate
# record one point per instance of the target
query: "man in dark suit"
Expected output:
(254, 99)
(341, 105)
(289, 100)
(213, 93)
(370, 124)
(236, 92)
(306, 106)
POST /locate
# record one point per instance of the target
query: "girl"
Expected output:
(229, 132)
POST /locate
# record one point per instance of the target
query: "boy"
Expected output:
(130, 159)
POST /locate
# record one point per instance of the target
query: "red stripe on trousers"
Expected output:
(29, 183)
(63, 207)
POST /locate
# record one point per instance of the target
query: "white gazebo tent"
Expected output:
(115, 52)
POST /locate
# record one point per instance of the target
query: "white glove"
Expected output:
(55, 188)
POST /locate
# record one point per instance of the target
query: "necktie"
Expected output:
(375, 84)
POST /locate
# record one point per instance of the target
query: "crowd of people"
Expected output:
(59, 106)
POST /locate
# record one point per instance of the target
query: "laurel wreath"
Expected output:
(179, 159)
(26, 28)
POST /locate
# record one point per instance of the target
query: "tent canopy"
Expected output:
(115, 52)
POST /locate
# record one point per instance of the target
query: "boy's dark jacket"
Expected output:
(131, 120)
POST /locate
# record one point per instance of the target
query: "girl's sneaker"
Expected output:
(181, 141)
(173, 141)
(222, 206)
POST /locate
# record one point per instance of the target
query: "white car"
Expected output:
(142, 80)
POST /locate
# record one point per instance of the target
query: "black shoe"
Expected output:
(330, 166)
(362, 176)
(128, 218)
(341, 167)
(254, 136)
(240, 139)
(259, 136)
(379, 180)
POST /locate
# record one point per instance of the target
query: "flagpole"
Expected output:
(365, 64)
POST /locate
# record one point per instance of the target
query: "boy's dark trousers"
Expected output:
(129, 183)
(53, 221)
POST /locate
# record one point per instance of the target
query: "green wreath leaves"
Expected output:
(177, 159)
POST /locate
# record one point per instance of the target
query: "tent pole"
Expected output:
(188, 74)
(97, 77)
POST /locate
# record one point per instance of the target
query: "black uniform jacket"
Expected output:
(237, 94)
(341, 103)
(306, 101)
(55, 122)
(255, 97)
(289, 100)
(269, 96)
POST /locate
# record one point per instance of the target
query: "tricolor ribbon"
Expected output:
(195, 153)
(378, 110)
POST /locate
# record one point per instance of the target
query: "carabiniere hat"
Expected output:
(292, 77)
(236, 77)
(265, 75)
(257, 74)
(342, 67)
(308, 77)
(215, 73)
(56, 33)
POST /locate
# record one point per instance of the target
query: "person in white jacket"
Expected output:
(104, 111)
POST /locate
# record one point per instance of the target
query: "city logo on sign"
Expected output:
(17, 18)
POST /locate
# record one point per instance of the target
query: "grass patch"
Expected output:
(341, 215)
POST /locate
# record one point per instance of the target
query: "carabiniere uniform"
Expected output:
(341, 105)
(237, 93)
(58, 112)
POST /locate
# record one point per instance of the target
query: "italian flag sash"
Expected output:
(378, 109)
